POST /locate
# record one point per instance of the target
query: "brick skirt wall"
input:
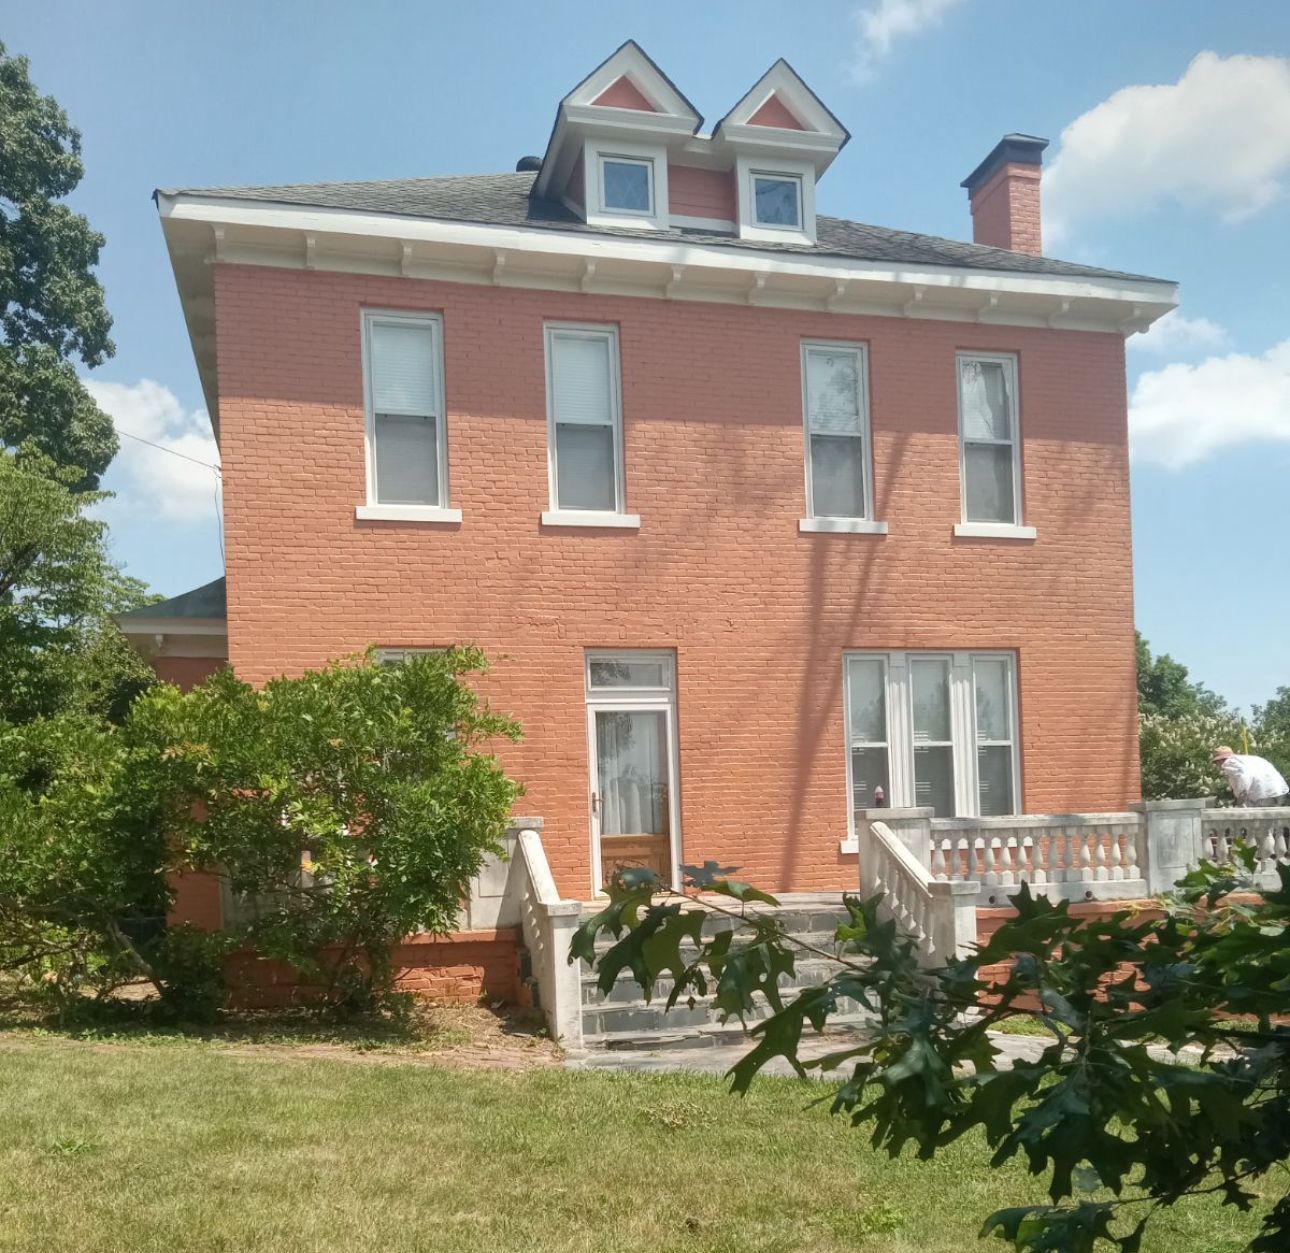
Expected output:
(457, 969)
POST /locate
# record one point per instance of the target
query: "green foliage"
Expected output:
(51, 304)
(1166, 1072)
(1165, 688)
(348, 808)
(1182, 722)
(60, 651)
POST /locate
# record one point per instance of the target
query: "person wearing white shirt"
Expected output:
(1253, 780)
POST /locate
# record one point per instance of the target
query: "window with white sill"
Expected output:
(835, 402)
(627, 185)
(584, 419)
(407, 460)
(777, 200)
(990, 439)
(933, 729)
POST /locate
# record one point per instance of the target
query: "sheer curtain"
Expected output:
(632, 770)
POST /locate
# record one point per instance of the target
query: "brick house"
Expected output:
(761, 514)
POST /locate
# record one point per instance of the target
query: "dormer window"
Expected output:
(627, 186)
(777, 200)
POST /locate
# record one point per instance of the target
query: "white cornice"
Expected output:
(1154, 297)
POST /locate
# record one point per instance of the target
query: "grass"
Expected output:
(202, 1148)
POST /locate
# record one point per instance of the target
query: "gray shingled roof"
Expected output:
(206, 602)
(503, 200)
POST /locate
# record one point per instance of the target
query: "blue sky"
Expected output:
(1188, 181)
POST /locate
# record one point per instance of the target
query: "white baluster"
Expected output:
(1267, 861)
(1100, 842)
(1029, 869)
(1131, 855)
(992, 860)
(1008, 875)
(978, 858)
(1085, 858)
(936, 866)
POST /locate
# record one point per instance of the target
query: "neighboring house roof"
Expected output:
(504, 200)
(203, 607)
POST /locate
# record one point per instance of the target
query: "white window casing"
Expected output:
(837, 452)
(584, 426)
(948, 724)
(598, 153)
(405, 423)
(990, 446)
(748, 170)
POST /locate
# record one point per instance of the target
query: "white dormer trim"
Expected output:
(822, 131)
(579, 117)
(631, 62)
(596, 149)
(747, 167)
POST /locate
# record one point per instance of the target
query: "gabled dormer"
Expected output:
(782, 139)
(626, 152)
(614, 135)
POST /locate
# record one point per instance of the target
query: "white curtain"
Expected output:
(985, 400)
(632, 770)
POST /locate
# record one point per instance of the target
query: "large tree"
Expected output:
(60, 651)
(52, 309)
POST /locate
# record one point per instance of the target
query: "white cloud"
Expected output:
(1181, 414)
(156, 481)
(1217, 139)
(1177, 335)
(882, 22)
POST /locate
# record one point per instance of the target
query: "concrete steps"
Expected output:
(621, 1019)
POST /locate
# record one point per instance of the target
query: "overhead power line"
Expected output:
(171, 451)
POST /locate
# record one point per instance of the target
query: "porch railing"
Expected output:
(1137, 854)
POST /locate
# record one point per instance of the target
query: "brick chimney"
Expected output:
(1004, 194)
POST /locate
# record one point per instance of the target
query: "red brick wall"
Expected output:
(1005, 210)
(457, 969)
(186, 672)
(758, 614)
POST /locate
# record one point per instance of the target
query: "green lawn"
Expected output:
(193, 1147)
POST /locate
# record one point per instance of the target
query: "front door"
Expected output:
(631, 719)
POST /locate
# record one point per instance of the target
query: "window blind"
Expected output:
(403, 369)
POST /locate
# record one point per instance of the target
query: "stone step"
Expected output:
(711, 1035)
(626, 991)
(600, 1021)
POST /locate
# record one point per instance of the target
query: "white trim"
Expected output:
(797, 98)
(1012, 373)
(599, 149)
(900, 731)
(841, 526)
(748, 168)
(173, 626)
(661, 700)
(994, 530)
(1153, 297)
(591, 517)
(561, 517)
(434, 323)
(684, 221)
(861, 353)
(406, 513)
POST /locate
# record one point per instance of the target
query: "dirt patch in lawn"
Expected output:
(471, 1037)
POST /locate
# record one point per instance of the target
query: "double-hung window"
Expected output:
(933, 729)
(585, 425)
(407, 463)
(835, 402)
(990, 438)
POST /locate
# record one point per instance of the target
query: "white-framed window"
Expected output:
(989, 438)
(934, 729)
(584, 415)
(627, 185)
(835, 410)
(406, 431)
(397, 656)
(777, 199)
